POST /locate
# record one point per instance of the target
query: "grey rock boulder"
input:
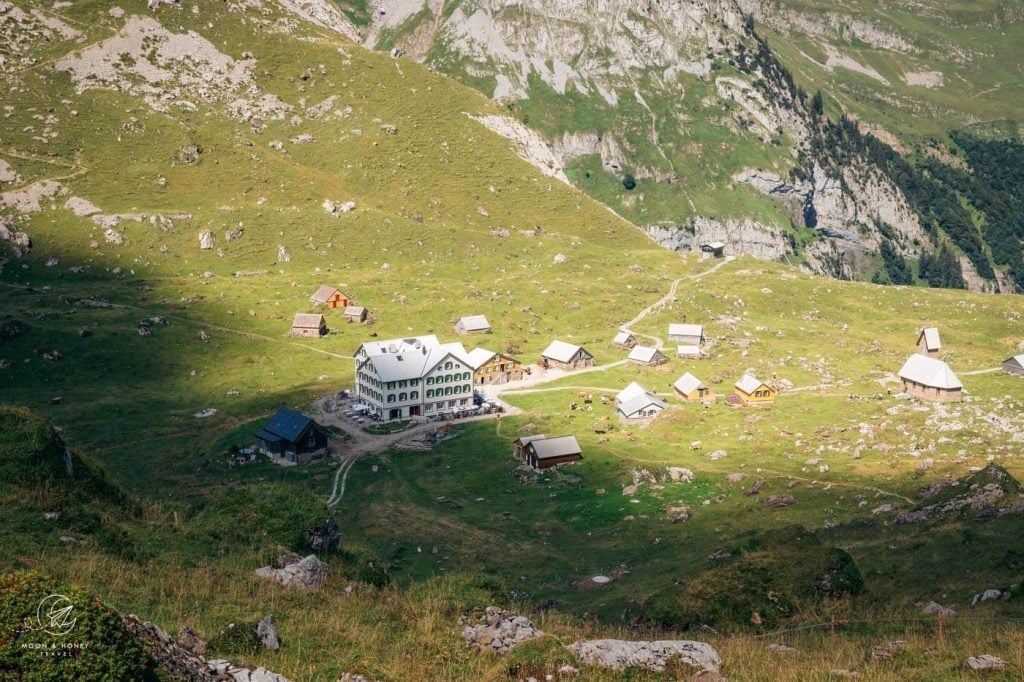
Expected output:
(617, 654)
(985, 662)
(308, 573)
(266, 630)
(497, 631)
(938, 609)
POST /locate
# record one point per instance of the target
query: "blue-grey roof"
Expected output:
(288, 424)
(269, 437)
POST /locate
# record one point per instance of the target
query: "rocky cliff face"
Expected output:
(649, 89)
(739, 235)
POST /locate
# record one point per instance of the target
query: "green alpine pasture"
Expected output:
(166, 524)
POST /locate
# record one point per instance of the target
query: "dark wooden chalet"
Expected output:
(293, 436)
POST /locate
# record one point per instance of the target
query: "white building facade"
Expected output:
(413, 378)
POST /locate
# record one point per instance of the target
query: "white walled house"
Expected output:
(413, 378)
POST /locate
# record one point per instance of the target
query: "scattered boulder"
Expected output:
(266, 630)
(985, 662)
(188, 155)
(934, 608)
(886, 651)
(324, 538)
(191, 640)
(559, 258)
(989, 595)
(282, 254)
(755, 488)
(308, 573)
(679, 474)
(733, 479)
(229, 671)
(782, 648)
(776, 501)
(497, 631)
(618, 654)
(678, 513)
(205, 240)
(717, 455)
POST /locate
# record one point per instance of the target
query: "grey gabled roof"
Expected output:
(927, 371)
(546, 448)
(645, 354)
(561, 351)
(749, 383)
(404, 345)
(680, 329)
(308, 320)
(630, 392)
(1019, 359)
(623, 337)
(415, 363)
(640, 402)
(931, 338)
(473, 323)
(357, 310)
(324, 293)
(688, 383)
(524, 440)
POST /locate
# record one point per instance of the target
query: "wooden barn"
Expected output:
(692, 389)
(544, 453)
(1014, 365)
(752, 391)
(493, 368)
(930, 379)
(566, 356)
(472, 324)
(309, 324)
(624, 340)
(647, 356)
(928, 342)
(355, 313)
(292, 436)
(330, 297)
(689, 334)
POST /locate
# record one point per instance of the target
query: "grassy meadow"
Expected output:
(449, 222)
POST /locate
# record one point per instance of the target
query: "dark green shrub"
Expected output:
(96, 647)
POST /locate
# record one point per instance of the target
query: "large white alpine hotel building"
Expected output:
(413, 377)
